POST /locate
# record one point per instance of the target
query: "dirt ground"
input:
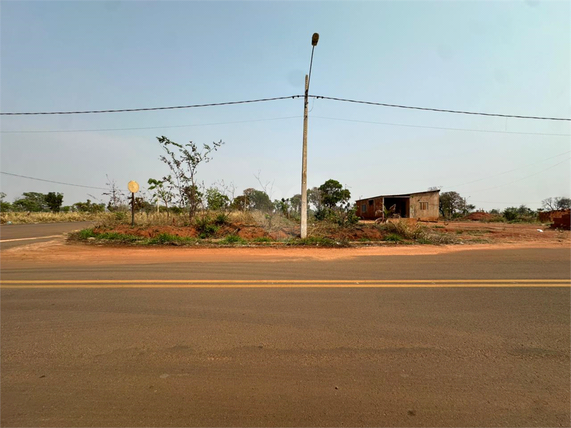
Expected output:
(504, 232)
(471, 236)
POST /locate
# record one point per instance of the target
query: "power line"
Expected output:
(51, 181)
(439, 127)
(281, 118)
(523, 178)
(438, 109)
(511, 170)
(146, 127)
(227, 103)
(284, 98)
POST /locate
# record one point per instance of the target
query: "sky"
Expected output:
(507, 57)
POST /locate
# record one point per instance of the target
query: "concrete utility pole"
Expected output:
(314, 40)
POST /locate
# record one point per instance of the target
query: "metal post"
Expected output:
(132, 209)
(304, 164)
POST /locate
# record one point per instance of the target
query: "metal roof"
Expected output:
(404, 195)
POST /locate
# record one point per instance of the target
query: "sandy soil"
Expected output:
(59, 252)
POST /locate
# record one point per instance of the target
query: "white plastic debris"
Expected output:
(539, 230)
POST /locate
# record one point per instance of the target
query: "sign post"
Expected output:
(133, 188)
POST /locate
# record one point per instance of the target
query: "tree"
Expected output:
(521, 213)
(184, 166)
(295, 202)
(4, 206)
(557, 203)
(116, 196)
(315, 198)
(258, 200)
(89, 207)
(161, 191)
(240, 203)
(32, 202)
(450, 203)
(332, 193)
(216, 200)
(54, 201)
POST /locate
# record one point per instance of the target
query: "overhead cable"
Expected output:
(438, 109)
(145, 127)
(52, 181)
(511, 170)
(284, 98)
(523, 178)
(125, 110)
(441, 127)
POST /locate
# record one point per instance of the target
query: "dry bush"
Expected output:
(418, 232)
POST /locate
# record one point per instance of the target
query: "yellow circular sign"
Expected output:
(133, 186)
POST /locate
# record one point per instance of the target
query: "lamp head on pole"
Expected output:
(314, 39)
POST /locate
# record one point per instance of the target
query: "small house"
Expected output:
(422, 206)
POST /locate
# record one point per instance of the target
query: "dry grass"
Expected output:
(24, 217)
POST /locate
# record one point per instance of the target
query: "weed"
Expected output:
(221, 219)
(205, 227)
(118, 237)
(84, 234)
(263, 239)
(233, 239)
(167, 238)
(393, 237)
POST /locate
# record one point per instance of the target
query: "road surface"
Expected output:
(12, 235)
(190, 337)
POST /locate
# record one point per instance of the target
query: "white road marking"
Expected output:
(28, 239)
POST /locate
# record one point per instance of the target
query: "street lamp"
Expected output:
(314, 40)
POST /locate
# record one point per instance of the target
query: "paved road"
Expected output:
(23, 234)
(295, 353)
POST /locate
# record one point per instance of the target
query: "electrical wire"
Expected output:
(146, 127)
(284, 98)
(227, 103)
(441, 127)
(523, 178)
(511, 170)
(51, 181)
(438, 109)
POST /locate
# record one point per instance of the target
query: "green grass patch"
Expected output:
(233, 240)
(168, 239)
(84, 234)
(393, 237)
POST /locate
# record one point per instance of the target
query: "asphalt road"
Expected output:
(13, 235)
(245, 341)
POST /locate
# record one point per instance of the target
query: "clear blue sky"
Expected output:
(500, 57)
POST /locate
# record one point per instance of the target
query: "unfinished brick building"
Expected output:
(423, 206)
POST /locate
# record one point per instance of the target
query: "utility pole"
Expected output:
(304, 164)
(314, 40)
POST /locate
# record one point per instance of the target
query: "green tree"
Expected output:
(161, 190)
(4, 206)
(518, 214)
(183, 161)
(216, 200)
(295, 203)
(31, 201)
(89, 207)
(258, 200)
(54, 201)
(314, 198)
(240, 203)
(333, 193)
(451, 203)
